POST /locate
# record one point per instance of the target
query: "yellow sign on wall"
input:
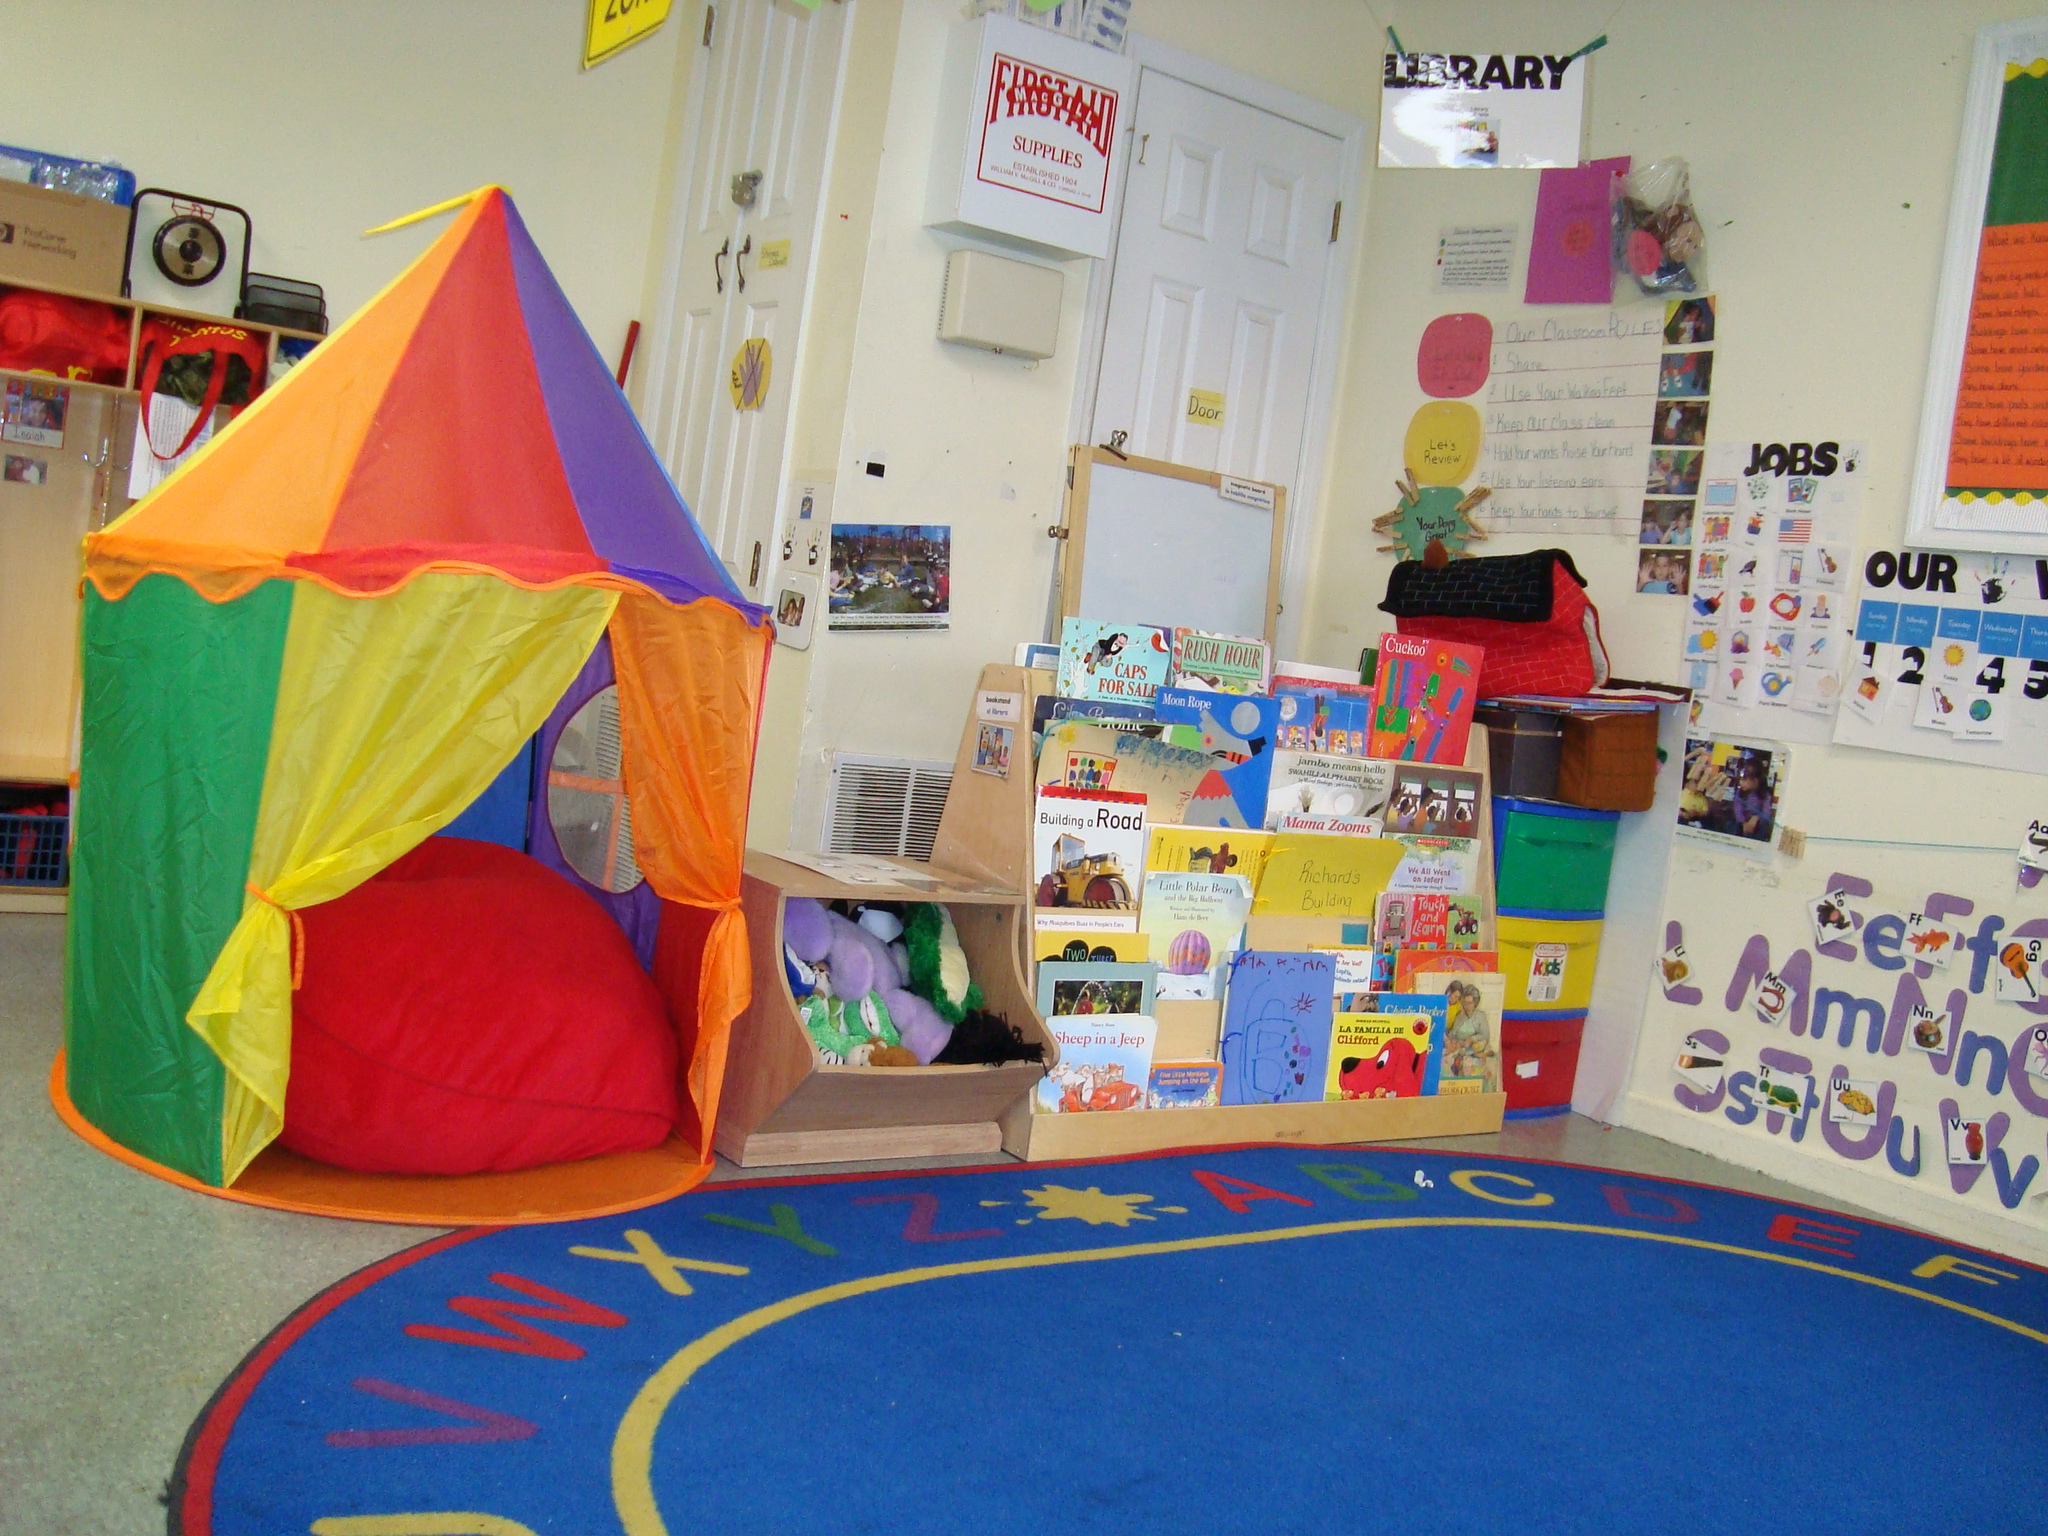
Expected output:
(617, 24)
(1205, 407)
(750, 373)
(1442, 446)
(774, 253)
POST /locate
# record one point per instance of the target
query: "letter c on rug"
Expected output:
(1468, 1179)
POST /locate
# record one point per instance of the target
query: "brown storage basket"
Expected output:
(1609, 762)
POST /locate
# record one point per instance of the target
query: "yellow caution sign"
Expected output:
(617, 24)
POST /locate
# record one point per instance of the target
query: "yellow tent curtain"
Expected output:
(393, 713)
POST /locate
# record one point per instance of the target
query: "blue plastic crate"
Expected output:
(35, 850)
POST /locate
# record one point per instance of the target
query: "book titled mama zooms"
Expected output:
(1221, 663)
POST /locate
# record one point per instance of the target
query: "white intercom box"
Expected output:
(1033, 128)
(1001, 304)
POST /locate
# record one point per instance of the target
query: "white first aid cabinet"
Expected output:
(1033, 128)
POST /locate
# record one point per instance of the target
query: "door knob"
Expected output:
(746, 186)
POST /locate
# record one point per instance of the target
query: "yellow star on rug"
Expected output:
(1091, 1205)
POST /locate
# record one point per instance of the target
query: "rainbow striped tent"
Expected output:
(323, 637)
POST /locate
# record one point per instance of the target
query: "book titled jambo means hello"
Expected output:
(1100, 659)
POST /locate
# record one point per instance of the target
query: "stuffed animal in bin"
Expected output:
(869, 1000)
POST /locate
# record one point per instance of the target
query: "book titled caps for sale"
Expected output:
(1100, 659)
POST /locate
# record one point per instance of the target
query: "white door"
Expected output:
(1218, 283)
(763, 99)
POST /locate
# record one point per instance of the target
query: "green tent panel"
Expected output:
(176, 716)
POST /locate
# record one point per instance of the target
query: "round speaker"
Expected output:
(189, 250)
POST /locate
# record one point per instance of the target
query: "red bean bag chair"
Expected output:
(468, 1010)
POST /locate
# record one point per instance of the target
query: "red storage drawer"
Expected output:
(1539, 1060)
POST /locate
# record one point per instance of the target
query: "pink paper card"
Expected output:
(1569, 257)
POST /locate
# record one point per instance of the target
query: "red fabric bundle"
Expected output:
(1530, 611)
(468, 1010)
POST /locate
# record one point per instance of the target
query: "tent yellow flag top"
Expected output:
(313, 647)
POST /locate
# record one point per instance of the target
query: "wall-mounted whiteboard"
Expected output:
(1149, 542)
(1980, 479)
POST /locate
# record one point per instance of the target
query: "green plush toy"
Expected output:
(850, 1033)
(938, 965)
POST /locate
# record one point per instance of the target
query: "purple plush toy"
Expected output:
(857, 963)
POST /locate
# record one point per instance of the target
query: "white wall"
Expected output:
(972, 439)
(1822, 152)
(323, 120)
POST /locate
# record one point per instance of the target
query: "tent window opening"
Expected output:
(587, 804)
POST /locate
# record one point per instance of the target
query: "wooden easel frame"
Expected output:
(1081, 461)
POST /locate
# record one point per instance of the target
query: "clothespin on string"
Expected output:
(1395, 38)
(1593, 47)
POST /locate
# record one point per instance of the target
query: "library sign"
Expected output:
(1488, 111)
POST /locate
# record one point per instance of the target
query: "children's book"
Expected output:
(1088, 847)
(1207, 851)
(1378, 1056)
(1093, 987)
(1449, 865)
(1433, 802)
(1423, 698)
(1085, 754)
(1302, 677)
(1343, 796)
(1238, 733)
(1469, 1054)
(1409, 963)
(1185, 1085)
(1221, 663)
(1325, 877)
(1194, 923)
(1407, 1002)
(1426, 920)
(1354, 964)
(1088, 948)
(1105, 1063)
(1276, 1027)
(1031, 653)
(1104, 660)
(1319, 720)
(1050, 707)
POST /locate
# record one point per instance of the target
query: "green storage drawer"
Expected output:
(1552, 858)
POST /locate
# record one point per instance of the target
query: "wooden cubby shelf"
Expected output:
(783, 1104)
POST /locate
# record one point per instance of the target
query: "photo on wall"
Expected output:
(1730, 793)
(1674, 472)
(1680, 423)
(1664, 572)
(890, 576)
(1685, 375)
(1667, 522)
(1689, 322)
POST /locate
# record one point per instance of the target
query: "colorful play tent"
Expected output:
(323, 637)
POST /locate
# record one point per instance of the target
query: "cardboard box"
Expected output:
(57, 240)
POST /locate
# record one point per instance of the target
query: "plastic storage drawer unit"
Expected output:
(1548, 962)
(1539, 1060)
(1550, 857)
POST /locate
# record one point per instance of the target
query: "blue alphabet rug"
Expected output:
(1271, 1339)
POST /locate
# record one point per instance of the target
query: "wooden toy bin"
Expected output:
(782, 1104)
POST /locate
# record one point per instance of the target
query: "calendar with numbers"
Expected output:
(1949, 659)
